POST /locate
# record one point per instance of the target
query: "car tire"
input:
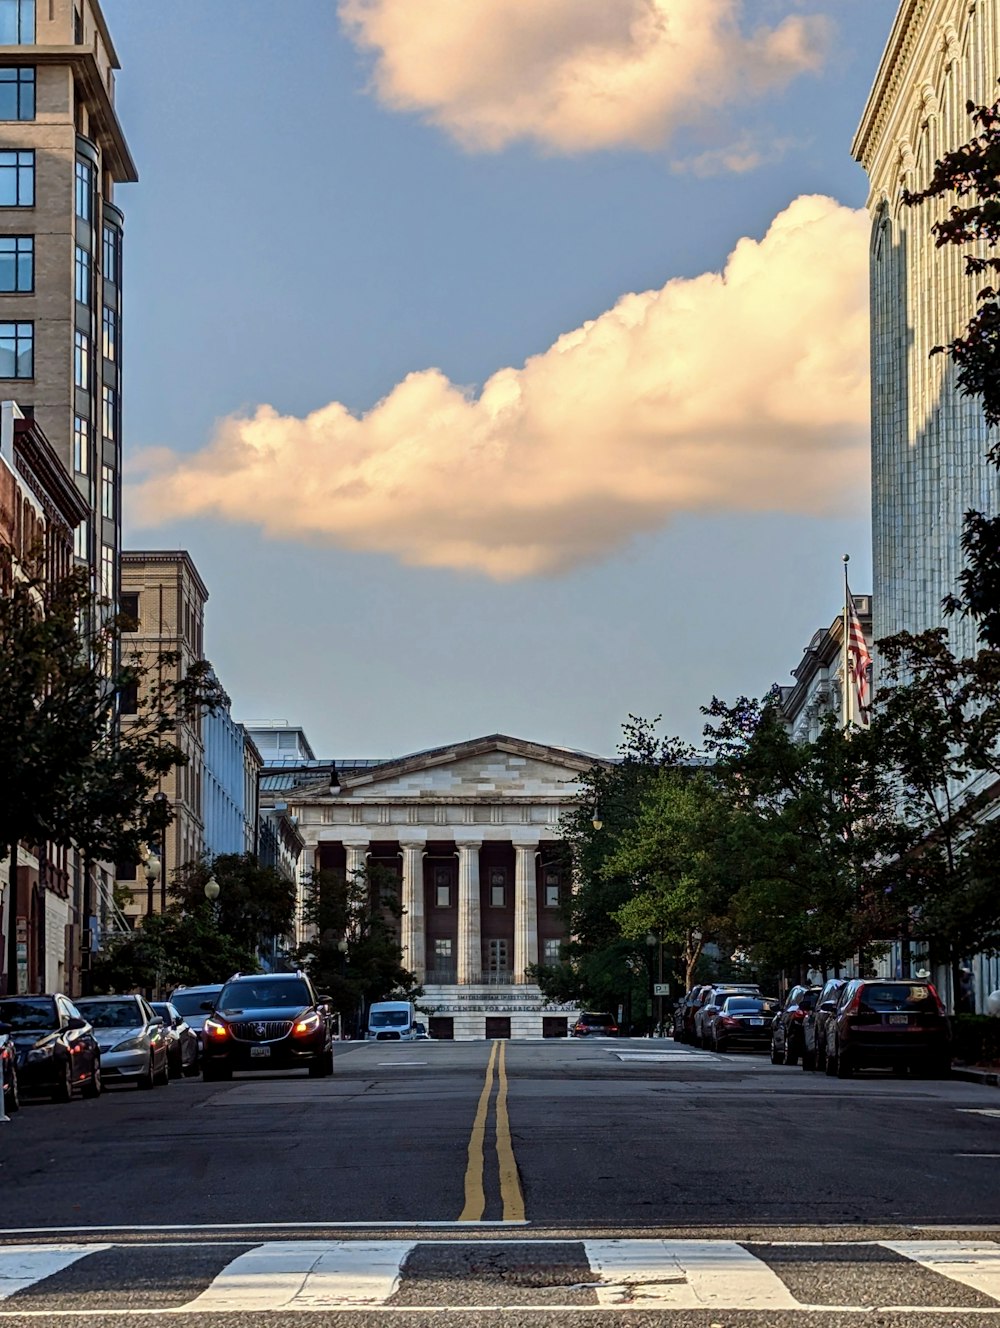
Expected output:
(791, 1055)
(146, 1080)
(193, 1070)
(322, 1065)
(11, 1097)
(830, 1065)
(819, 1057)
(808, 1059)
(776, 1055)
(62, 1090)
(215, 1074)
(162, 1077)
(176, 1064)
(845, 1066)
(93, 1087)
(719, 1046)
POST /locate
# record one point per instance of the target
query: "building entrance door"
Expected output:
(441, 1027)
(498, 1026)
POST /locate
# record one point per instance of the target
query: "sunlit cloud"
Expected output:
(744, 390)
(576, 75)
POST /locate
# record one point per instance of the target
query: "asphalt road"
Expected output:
(582, 1182)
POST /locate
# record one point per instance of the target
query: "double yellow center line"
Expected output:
(510, 1185)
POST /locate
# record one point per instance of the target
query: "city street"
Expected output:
(557, 1182)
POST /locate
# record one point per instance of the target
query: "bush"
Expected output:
(976, 1039)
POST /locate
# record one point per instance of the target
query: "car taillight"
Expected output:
(612, 1028)
(799, 1013)
(853, 1005)
(214, 1029)
(729, 1021)
(940, 1003)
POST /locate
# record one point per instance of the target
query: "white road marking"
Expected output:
(305, 1275)
(24, 1265)
(974, 1263)
(979, 1111)
(685, 1274)
(402, 1062)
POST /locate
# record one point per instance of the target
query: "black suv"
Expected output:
(595, 1024)
(267, 1021)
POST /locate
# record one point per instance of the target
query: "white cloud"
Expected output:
(575, 75)
(740, 391)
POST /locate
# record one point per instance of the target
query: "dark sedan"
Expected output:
(787, 1035)
(8, 1072)
(57, 1052)
(742, 1021)
(271, 1021)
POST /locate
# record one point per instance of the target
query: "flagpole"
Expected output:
(846, 706)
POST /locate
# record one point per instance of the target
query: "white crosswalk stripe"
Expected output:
(342, 1275)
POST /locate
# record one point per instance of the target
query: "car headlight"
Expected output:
(309, 1024)
(39, 1054)
(131, 1044)
(215, 1030)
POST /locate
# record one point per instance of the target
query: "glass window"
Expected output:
(17, 93)
(17, 22)
(551, 950)
(81, 367)
(110, 324)
(443, 896)
(109, 422)
(552, 896)
(107, 571)
(84, 190)
(17, 179)
(108, 492)
(17, 263)
(82, 275)
(112, 254)
(17, 350)
(129, 602)
(498, 896)
(128, 704)
(442, 948)
(81, 541)
(81, 445)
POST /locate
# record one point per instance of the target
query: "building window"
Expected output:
(17, 22)
(551, 895)
(17, 179)
(17, 93)
(109, 422)
(128, 700)
(112, 255)
(498, 896)
(81, 365)
(442, 952)
(110, 324)
(17, 263)
(84, 190)
(551, 950)
(129, 601)
(17, 350)
(82, 275)
(81, 541)
(496, 956)
(107, 572)
(81, 445)
(442, 896)
(108, 492)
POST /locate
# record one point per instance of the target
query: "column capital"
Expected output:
(355, 842)
(472, 844)
(525, 841)
(420, 844)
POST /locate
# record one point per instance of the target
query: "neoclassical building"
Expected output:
(928, 442)
(473, 832)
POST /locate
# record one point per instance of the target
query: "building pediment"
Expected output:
(490, 767)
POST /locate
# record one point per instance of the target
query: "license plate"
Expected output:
(260, 1051)
(756, 1023)
(899, 1019)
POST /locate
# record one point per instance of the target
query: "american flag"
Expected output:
(859, 661)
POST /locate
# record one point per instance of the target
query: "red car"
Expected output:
(900, 1025)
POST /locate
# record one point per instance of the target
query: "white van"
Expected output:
(391, 1021)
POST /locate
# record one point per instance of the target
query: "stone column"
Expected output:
(525, 909)
(413, 933)
(470, 942)
(357, 854)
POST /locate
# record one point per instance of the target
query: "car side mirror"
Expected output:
(159, 1022)
(324, 1000)
(207, 1005)
(75, 1025)
(828, 1006)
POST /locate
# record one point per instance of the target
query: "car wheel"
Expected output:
(11, 1100)
(215, 1074)
(62, 1090)
(719, 1046)
(939, 1069)
(322, 1065)
(830, 1064)
(162, 1077)
(820, 1056)
(844, 1066)
(192, 1069)
(93, 1086)
(146, 1079)
(176, 1063)
(791, 1056)
(775, 1054)
(808, 1059)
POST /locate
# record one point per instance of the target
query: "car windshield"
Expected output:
(111, 1014)
(743, 1004)
(264, 993)
(190, 1002)
(597, 1020)
(29, 1016)
(389, 1019)
(889, 996)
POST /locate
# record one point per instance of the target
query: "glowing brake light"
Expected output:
(215, 1029)
(307, 1025)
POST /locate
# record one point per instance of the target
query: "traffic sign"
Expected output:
(661, 988)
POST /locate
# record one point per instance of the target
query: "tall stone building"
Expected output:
(928, 442)
(62, 155)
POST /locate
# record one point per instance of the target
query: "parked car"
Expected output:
(8, 1072)
(593, 1023)
(815, 1023)
(190, 1002)
(787, 1037)
(182, 1040)
(57, 1052)
(688, 1009)
(741, 1020)
(710, 1003)
(130, 1035)
(901, 1025)
(269, 1021)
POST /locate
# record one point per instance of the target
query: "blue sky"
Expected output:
(300, 238)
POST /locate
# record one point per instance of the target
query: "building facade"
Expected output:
(928, 442)
(473, 833)
(164, 597)
(62, 155)
(818, 690)
(230, 785)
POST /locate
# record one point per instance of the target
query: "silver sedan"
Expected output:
(130, 1035)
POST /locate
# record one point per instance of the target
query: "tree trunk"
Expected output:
(12, 923)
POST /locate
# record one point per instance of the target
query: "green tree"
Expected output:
(353, 954)
(69, 774)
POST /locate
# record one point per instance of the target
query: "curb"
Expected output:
(971, 1076)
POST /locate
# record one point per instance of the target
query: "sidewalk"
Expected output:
(973, 1075)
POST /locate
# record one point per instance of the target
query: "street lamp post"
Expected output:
(161, 804)
(152, 870)
(654, 938)
(342, 948)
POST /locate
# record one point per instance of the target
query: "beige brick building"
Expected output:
(62, 154)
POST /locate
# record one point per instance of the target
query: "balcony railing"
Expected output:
(488, 978)
(440, 977)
